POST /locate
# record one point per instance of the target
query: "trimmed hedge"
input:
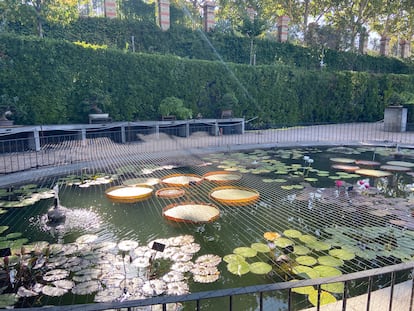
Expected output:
(53, 78)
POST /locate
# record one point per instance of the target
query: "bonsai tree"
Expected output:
(96, 101)
(7, 106)
(228, 101)
(395, 99)
(173, 106)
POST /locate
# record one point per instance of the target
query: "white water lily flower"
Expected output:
(177, 288)
(127, 245)
(154, 287)
(173, 276)
(208, 260)
(191, 248)
(182, 266)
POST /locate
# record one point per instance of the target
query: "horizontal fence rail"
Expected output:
(29, 152)
(50, 150)
(386, 299)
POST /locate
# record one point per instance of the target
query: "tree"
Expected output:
(252, 28)
(38, 12)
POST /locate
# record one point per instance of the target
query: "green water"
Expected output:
(237, 225)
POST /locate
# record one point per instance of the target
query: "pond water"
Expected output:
(320, 211)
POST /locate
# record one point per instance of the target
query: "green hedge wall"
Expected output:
(53, 78)
(195, 44)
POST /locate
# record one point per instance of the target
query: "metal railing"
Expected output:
(98, 146)
(380, 299)
(20, 154)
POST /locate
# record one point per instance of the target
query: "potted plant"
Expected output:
(228, 101)
(173, 107)
(7, 107)
(94, 104)
(395, 114)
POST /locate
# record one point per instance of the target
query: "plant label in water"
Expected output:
(159, 247)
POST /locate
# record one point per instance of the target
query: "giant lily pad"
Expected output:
(260, 268)
(401, 163)
(238, 268)
(245, 251)
(373, 173)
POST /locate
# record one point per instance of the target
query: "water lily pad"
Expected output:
(301, 250)
(304, 290)
(306, 238)
(292, 233)
(260, 247)
(13, 235)
(3, 228)
(325, 298)
(401, 163)
(342, 253)
(337, 287)
(233, 258)
(260, 268)
(7, 300)
(283, 242)
(305, 272)
(306, 260)
(245, 251)
(326, 271)
(342, 160)
(238, 268)
(319, 246)
(330, 261)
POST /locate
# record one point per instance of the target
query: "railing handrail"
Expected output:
(228, 292)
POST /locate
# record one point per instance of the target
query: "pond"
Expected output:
(318, 212)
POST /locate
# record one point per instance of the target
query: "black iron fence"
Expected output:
(390, 295)
(44, 149)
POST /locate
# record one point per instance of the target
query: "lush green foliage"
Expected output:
(54, 79)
